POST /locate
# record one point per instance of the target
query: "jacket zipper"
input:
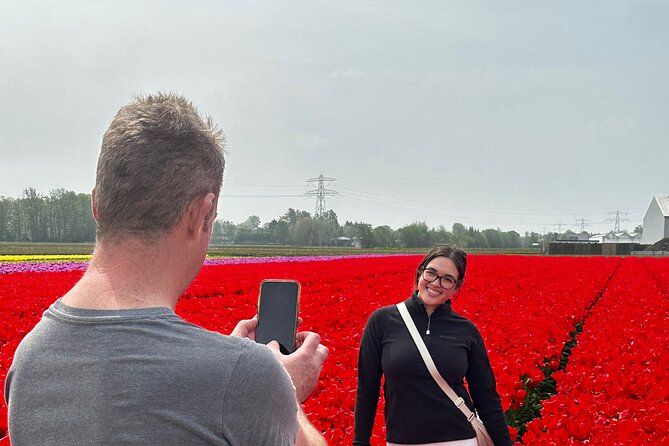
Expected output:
(427, 332)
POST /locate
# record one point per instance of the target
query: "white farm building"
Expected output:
(656, 221)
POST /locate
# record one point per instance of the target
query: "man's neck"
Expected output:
(127, 275)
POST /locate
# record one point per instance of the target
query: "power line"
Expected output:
(420, 213)
(262, 185)
(259, 196)
(453, 204)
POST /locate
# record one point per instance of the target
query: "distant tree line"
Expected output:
(300, 228)
(60, 216)
(65, 216)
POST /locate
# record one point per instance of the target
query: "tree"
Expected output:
(360, 231)
(414, 235)
(384, 237)
(281, 233)
(249, 231)
(364, 231)
(252, 223)
(62, 216)
(439, 235)
(292, 216)
(477, 238)
(80, 227)
(6, 205)
(331, 216)
(303, 232)
(223, 232)
(31, 205)
(327, 228)
(71, 216)
(460, 235)
(512, 240)
(494, 238)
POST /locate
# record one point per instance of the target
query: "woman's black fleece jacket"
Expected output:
(416, 409)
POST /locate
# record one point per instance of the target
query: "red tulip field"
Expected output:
(595, 330)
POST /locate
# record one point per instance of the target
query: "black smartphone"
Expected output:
(278, 304)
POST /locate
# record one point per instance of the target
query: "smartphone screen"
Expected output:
(278, 305)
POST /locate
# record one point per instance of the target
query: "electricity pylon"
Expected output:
(320, 192)
(583, 224)
(616, 220)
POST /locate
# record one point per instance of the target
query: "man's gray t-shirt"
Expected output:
(144, 377)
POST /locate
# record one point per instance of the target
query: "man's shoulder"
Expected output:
(256, 356)
(33, 343)
(217, 340)
(214, 347)
(250, 353)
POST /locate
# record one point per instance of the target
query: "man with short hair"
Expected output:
(110, 362)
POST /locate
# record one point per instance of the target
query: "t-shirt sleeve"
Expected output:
(260, 406)
(369, 379)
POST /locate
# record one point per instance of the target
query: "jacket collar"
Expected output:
(416, 304)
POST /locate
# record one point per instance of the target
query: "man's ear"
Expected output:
(200, 213)
(211, 216)
(94, 206)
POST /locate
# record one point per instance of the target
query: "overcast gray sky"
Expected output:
(518, 115)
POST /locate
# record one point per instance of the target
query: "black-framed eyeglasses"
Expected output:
(446, 281)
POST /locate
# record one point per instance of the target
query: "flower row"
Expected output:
(525, 308)
(54, 263)
(615, 389)
(42, 257)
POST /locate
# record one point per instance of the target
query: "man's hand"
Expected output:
(246, 328)
(305, 363)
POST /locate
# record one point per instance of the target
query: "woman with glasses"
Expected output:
(417, 411)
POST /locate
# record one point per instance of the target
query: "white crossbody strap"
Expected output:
(459, 402)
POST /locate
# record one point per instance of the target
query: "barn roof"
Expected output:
(663, 202)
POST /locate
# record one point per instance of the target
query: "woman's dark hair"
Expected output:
(458, 256)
